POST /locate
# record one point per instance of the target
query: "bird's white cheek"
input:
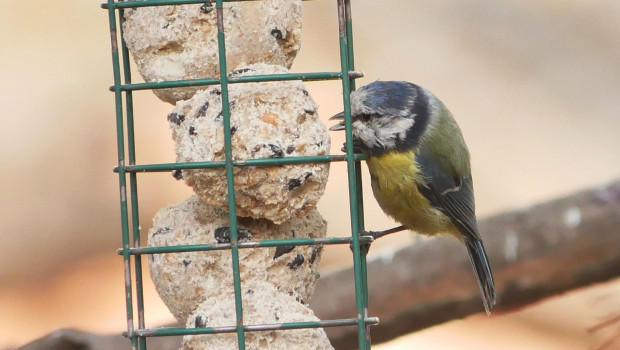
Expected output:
(392, 130)
(363, 133)
(402, 125)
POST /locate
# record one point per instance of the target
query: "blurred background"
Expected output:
(534, 85)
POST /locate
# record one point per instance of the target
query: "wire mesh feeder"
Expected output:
(128, 170)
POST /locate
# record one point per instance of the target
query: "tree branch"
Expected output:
(535, 253)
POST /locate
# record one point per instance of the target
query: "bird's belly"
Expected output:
(395, 178)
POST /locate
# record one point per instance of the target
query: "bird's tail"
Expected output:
(479, 260)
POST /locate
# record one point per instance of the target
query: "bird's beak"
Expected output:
(339, 126)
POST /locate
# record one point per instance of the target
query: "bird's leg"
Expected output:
(379, 234)
(375, 235)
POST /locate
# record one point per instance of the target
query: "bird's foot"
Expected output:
(356, 147)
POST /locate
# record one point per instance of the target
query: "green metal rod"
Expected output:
(363, 339)
(154, 85)
(358, 173)
(122, 178)
(250, 162)
(159, 332)
(133, 185)
(245, 245)
(143, 3)
(358, 181)
(232, 206)
(314, 76)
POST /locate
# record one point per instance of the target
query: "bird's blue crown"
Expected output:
(389, 96)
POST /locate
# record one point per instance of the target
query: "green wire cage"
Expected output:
(128, 170)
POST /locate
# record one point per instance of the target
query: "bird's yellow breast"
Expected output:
(395, 177)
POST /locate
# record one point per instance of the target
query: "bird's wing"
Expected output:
(449, 192)
(454, 196)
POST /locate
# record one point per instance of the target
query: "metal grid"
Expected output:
(128, 168)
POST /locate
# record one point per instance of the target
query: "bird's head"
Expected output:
(387, 116)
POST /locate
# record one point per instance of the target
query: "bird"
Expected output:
(419, 167)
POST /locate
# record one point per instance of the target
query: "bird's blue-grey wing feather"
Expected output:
(452, 194)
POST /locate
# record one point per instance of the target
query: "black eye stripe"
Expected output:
(361, 117)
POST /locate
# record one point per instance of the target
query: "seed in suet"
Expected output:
(222, 234)
(277, 151)
(276, 33)
(203, 109)
(176, 118)
(295, 183)
(177, 174)
(315, 251)
(207, 7)
(201, 321)
(239, 71)
(296, 263)
(161, 231)
(281, 250)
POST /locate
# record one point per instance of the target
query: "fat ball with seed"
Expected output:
(180, 42)
(185, 280)
(267, 120)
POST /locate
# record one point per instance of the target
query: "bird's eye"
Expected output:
(362, 117)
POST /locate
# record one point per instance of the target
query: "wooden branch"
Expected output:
(535, 253)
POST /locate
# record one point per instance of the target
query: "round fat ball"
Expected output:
(262, 304)
(178, 42)
(184, 280)
(268, 120)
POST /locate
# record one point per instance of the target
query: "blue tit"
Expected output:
(419, 166)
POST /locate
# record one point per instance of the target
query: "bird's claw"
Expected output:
(365, 243)
(356, 147)
(373, 234)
